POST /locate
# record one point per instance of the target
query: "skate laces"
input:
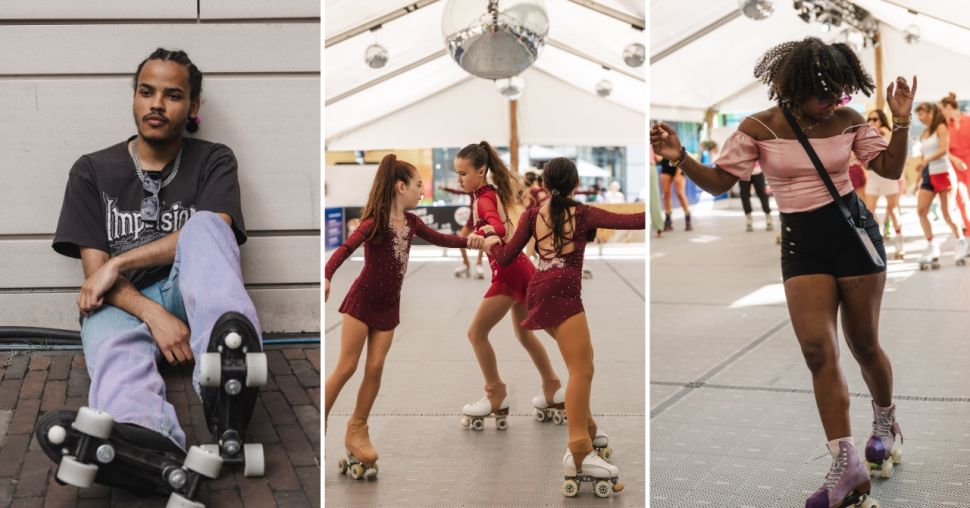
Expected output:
(835, 472)
(882, 426)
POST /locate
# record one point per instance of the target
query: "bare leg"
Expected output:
(892, 211)
(532, 345)
(378, 344)
(577, 351)
(945, 208)
(923, 201)
(680, 181)
(861, 298)
(813, 302)
(666, 182)
(489, 313)
(353, 334)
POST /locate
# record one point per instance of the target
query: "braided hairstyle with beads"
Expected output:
(797, 70)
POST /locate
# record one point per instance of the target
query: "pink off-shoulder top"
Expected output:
(789, 171)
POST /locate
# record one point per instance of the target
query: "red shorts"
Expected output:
(941, 182)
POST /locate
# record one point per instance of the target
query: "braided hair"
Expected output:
(797, 70)
(195, 76)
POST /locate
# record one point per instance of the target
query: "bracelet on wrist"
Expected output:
(902, 119)
(900, 127)
(683, 157)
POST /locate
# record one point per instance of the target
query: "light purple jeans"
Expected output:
(121, 355)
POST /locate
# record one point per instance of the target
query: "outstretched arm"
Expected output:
(439, 239)
(665, 144)
(597, 217)
(349, 246)
(505, 254)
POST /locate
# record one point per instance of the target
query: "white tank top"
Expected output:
(930, 145)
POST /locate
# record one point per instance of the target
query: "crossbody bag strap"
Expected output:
(803, 139)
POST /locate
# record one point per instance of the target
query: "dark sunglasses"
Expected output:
(874, 119)
(152, 184)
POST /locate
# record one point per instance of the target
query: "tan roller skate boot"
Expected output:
(361, 459)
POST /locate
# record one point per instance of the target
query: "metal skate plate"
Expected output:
(415, 425)
(740, 428)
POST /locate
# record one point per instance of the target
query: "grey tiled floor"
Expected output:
(733, 418)
(427, 459)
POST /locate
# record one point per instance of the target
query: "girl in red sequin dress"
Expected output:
(561, 230)
(371, 307)
(490, 214)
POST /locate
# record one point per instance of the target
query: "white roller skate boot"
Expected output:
(601, 444)
(463, 272)
(603, 475)
(900, 248)
(479, 273)
(769, 225)
(961, 252)
(475, 413)
(554, 412)
(930, 258)
(748, 223)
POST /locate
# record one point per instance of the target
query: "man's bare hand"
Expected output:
(91, 296)
(172, 336)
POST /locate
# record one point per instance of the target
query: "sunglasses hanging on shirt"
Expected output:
(152, 184)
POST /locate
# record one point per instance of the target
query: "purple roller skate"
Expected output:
(883, 449)
(846, 484)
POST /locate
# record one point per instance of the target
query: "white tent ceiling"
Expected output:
(715, 69)
(372, 108)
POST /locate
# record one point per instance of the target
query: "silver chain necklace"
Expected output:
(141, 174)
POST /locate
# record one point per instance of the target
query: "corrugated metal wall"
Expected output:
(65, 90)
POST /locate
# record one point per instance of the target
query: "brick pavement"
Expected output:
(286, 421)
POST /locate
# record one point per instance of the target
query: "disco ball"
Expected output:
(757, 9)
(492, 40)
(912, 34)
(604, 88)
(634, 54)
(511, 88)
(375, 55)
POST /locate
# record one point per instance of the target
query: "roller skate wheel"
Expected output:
(466, 422)
(478, 424)
(605, 453)
(233, 340)
(342, 465)
(371, 473)
(56, 435)
(540, 415)
(177, 501)
(256, 370)
(210, 369)
(870, 503)
(73, 472)
(603, 488)
(618, 486)
(887, 469)
(501, 424)
(93, 422)
(356, 471)
(897, 455)
(254, 463)
(557, 418)
(203, 462)
(569, 488)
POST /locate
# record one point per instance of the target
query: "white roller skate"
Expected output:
(960, 255)
(601, 444)
(748, 223)
(603, 475)
(769, 224)
(479, 272)
(930, 258)
(475, 413)
(555, 412)
(900, 248)
(463, 272)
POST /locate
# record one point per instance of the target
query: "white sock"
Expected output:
(834, 445)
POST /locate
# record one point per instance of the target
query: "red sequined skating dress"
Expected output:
(554, 294)
(375, 297)
(512, 278)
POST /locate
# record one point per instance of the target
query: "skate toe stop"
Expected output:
(618, 486)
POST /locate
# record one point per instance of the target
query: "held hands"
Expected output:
(171, 335)
(475, 241)
(490, 242)
(900, 100)
(91, 296)
(665, 142)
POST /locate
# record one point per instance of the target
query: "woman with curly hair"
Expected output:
(826, 265)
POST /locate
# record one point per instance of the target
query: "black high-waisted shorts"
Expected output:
(821, 242)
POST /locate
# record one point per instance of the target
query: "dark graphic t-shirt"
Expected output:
(102, 202)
